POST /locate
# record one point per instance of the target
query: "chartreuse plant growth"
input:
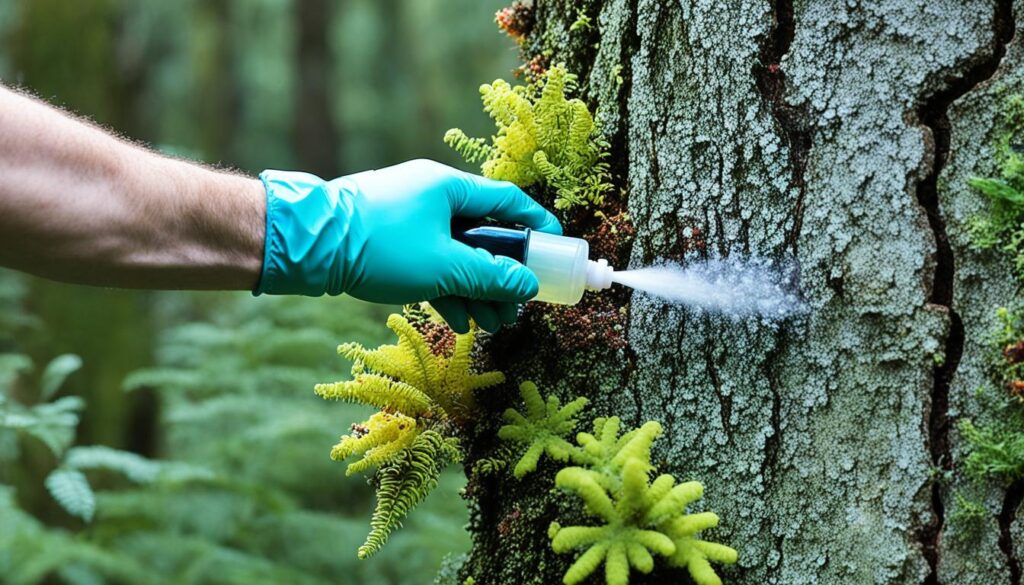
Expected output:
(638, 519)
(424, 398)
(1002, 227)
(543, 138)
(424, 391)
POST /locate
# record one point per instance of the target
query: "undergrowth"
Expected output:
(242, 493)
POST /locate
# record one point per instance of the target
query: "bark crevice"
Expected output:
(933, 114)
(620, 142)
(1012, 501)
(794, 121)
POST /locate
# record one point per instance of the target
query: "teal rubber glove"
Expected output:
(385, 236)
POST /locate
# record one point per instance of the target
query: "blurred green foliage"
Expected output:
(190, 436)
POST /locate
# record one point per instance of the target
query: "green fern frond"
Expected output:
(52, 423)
(489, 466)
(404, 483)
(422, 392)
(542, 429)
(134, 467)
(12, 365)
(380, 391)
(409, 378)
(473, 150)
(542, 137)
(72, 491)
(30, 553)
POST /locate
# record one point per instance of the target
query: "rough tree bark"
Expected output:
(840, 133)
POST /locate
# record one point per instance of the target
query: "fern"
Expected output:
(57, 372)
(542, 428)
(29, 551)
(52, 423)
(424, 394)
(473, 150)
(415, 389)
(404, 483)
(134, 467)
(72, 491)
(542, 137)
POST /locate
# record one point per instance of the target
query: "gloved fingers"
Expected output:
(485, 314)
(507, 312)
(453, 310)
(475, 196)
(474, 273)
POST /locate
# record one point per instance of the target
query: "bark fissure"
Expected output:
(620, 142)
(771, 83)
(933, 113)
(1012, 501)
(724, 400)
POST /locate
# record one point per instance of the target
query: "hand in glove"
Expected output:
(385, 236)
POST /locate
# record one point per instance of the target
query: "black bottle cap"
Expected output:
(498, 241)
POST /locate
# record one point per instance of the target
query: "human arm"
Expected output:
(80, 205)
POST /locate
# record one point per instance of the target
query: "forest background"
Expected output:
(221, 383)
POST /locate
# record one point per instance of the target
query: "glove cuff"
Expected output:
(308, 223)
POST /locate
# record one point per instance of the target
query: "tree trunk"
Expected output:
(840, 134)
(316, 138)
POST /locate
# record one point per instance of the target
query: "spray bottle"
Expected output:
(562, 264)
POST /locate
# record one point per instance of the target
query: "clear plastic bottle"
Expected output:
(562, 264)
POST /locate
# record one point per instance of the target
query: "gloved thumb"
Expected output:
(474, 273)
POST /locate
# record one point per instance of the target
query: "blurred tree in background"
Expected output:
(224, 381)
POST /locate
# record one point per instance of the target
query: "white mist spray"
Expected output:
(733, 287)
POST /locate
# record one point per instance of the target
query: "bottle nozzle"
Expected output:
(599, 274)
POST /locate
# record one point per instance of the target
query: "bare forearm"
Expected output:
(79, 205)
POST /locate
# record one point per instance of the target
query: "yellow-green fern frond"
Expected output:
(420, 367)
(421, 390)
(542, 429)
(403, 484)
(581, 128)
(380, 391)
(542, 136)
(472, 149)
(380, 440)
(411, 379)
(550, 172)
